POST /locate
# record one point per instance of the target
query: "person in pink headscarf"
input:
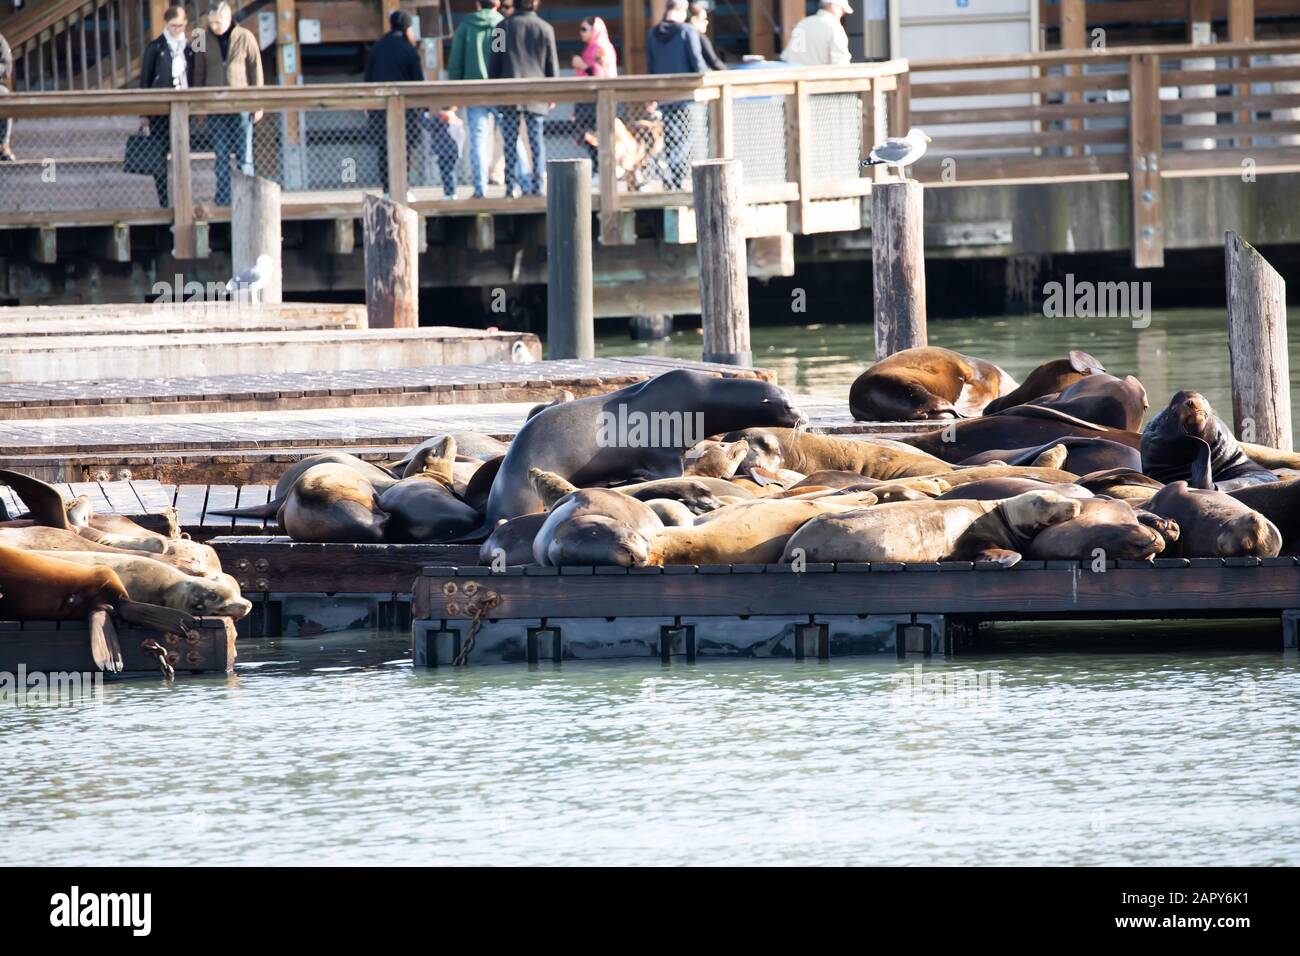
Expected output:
(597, 59)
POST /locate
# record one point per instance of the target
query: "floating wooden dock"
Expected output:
(531, 614)
(63, 647)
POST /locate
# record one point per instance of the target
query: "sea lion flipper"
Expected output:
(1000, 556)
(79, 511)
(104, 647)
(1167, 528)
(156, 617)
(268, 510)
(44, 503)
(1053, 457)
(549, 486)
(1084, 363)
(1202, 469)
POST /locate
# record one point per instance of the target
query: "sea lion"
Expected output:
(423, 506)
(852, 481)
(1099, 398)
(1187, 441)
(1025, 426)
(470, 444)
(1082, 455)
(333, 502)
(1279, 502)
(197, 561)
(1047, 379)
(1214, 524)
(1107, 524)
(928, 531)
(715, 459)
(639, 432)
(157, 583)
(996, 489)
(961, 476)
(595, 539)
(754, 532)
(776, 448)
(513, 539)
(636, 515)
(699, 494)
(39, 587)
(926, 383)
(335, 465)
(1126, 483)
(564, 396)
(672, 513)
(480, 483)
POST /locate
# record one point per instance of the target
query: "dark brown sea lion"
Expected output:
(36, 587)
(479, 485)
(1188, 442)
(1106, 524)
(797, 450)
(639, 432)
(996, 489)
(928, 531)
(1048, 378)
(1025, 426)
(1214, 524)
(1082, 455)
(513, 540)
(423, 506)
(1279, 502)
(566, 503)
(334, 464)
(1098, 398)
(1126, 483)
(333, 503)
(926, 383)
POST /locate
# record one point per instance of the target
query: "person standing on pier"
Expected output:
(820, 40)
(167, 64)
(528, 52)
(470, 49)
(393, 59)
(700, 23)
(228, 55)
(6, 81)
(597, 59)
(674, 47)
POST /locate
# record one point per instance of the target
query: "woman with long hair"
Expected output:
(167, 64)
(596, 59)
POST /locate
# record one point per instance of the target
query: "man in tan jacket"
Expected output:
(820, 40)
(229, 56)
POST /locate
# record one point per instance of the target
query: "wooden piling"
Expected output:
(392, 264)
(1257, 348)
(720, 245)
(898, 266)
(255, 229)
(570, 309)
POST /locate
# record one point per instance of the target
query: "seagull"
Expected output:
(520, 355)
(253, 280)
(897, 153)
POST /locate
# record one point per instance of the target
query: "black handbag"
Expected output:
(144, 155)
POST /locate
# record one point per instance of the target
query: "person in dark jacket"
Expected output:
(6, 81)
(167, 64)
(393, 59)
(469, 61)
(700, 22)
(527, 52)
(673, 46)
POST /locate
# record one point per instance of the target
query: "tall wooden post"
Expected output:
(1145, 158)
(182, 194)
(392, 263)
(570, 309)
(720, 245)
(255, 228)
(1257, 350)
(898, 266)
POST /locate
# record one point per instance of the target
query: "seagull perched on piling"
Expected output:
(253, 279)
(899, 152)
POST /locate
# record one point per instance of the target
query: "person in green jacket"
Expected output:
(470, 49)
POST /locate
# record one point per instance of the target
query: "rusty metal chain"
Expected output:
(153, 647)
(477, 610)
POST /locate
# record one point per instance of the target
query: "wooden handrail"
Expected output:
(1116, 54)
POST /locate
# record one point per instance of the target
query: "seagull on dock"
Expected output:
(253, 279)
(899, 152)
(520, 355)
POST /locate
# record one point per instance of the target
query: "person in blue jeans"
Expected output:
(470, 52)
(446, 148)
(232, 138)
(673, 46)
(527, 52)
(229, 56)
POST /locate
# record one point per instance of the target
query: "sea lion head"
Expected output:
(1193, 415)
(763, 450)
(209, 596)
(719, 459)
(435, 461)
(590, 540)
(1249, 535)
(550, 487)
(1031, 512)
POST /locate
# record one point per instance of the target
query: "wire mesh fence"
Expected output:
(835, 131)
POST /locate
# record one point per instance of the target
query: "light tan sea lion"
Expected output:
(926, 383)
(961, 476)
(715, 459)
(928, 531)
(40, 538)
(804, 452)
(153, 582)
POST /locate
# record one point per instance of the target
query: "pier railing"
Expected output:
(800, 133)
(1142, 113)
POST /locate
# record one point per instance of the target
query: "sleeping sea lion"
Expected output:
(1187, 441)
(925, 383)
(961, 476)
(566, 505)
(1082, 455)
(773, 449)
(336, 465)
(1048, 378)
(928, 531)
(333, 502)
(1107, 524)
(1214, 524)
(157, 583)
(635, 433)
(716, 459)
(997, 489)
(513, 538)
(1098, 398)
(423, 506)
(1126, 483)
(38, 587)
(672, 513)
(1279, 502)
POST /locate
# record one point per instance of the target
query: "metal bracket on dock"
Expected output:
(676, 641)
(1291, 632)
(812, 640)
(545, 644)
(433, 644)
(919, 638)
